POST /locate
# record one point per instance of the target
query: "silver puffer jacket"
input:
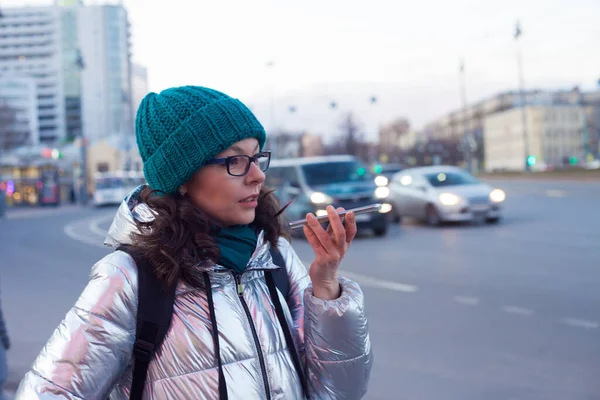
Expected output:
(89, 356)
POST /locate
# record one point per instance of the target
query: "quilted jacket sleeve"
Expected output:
(93, 345)
(333, 336)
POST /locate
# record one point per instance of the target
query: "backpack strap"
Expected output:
(270, 277)
(155, 309)
(215, 334)
(282, 281)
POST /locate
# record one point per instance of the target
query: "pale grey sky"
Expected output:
(405, 52)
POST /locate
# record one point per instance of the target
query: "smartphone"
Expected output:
(360, 210)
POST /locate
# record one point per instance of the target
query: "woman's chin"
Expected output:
(244, 217)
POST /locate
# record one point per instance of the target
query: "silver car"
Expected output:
(441, 194)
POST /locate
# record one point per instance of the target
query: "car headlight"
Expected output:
(382, 192)
(449, 199)
(320, 198)
(497, 196)
(381, 181)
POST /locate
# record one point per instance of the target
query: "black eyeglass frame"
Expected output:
(251, 159)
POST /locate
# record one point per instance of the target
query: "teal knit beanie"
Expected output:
(181, 128)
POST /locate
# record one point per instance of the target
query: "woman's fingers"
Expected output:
(335, 223)
(320, 233)
(314, 242)
(350, 227)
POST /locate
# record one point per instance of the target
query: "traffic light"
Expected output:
(573, 160)
(531, 160)
(378, 169)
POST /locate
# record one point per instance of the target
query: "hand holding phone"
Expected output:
(330, 247)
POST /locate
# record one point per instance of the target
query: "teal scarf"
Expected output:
(237, 244)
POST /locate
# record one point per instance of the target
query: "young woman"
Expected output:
(205, 225)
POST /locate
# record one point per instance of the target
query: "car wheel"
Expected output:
(379, 232)
(433, 217)
(493, 220)
(395, 217)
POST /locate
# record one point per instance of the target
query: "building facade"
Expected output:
(80, 59)
(139, 85)
(468, 123)
(30, 46)
(104, 38)
(555, 138)
(19, 119)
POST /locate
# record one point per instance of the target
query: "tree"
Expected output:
(285, 144)
(351, 136)
(390, 140)
(9, 138)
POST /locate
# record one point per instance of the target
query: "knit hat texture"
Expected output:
(181, 128)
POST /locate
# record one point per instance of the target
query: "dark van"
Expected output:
(316, 182)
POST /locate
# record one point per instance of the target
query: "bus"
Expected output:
(112, 187)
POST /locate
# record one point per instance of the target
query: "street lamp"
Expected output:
(467, 152)
(80, 63)
(518, 33)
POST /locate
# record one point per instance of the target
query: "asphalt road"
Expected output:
(510, 311)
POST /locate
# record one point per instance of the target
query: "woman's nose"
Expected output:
(255, 174)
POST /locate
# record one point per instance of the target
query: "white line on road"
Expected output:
(555, 193)
(72, 231)
(94, 225)
(526, 312)
(378, 283)
(580, 323)
(466, 300)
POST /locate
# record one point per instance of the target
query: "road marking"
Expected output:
(580, 323)
(466, 300)
(374, 282)
(73, 230)
(94, 225)
(526, 312)
(378, 283)
(556, 193)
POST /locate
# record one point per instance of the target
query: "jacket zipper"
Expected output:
(261, 359)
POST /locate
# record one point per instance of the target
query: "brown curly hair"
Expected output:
(181, 237)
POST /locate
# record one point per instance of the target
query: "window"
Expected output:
(290, 176)
(327, 173)
(443, 179)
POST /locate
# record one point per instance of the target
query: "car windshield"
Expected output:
(441, 179)
(326, 173)
(109, 183)
(388, 173)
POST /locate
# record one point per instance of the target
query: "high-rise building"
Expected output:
(139, 84)
(104, 39)
(18, 101)
(30, 47)
(79, 57)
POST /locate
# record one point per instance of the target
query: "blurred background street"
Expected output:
(507, 311)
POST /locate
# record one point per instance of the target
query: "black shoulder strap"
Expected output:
(287, 333)
(282, 282)
(155, 309)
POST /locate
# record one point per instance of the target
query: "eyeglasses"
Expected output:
(240, 165)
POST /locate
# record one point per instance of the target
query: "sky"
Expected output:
(405, 53)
